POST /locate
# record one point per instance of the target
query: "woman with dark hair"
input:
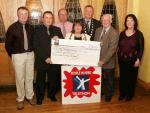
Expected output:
(77, 32)
(131, 46)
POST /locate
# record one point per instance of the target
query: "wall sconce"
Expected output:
(35, 9)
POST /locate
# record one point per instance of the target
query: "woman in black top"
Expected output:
(131, 46)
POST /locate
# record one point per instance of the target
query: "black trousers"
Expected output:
(108, 82)
(128, 78)
(51, 72)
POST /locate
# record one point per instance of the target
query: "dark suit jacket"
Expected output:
(42, 44)
(96, 24)
(109, 46)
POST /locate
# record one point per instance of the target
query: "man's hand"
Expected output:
(100, 63)
(48, 61)
(55, 38)
(137, 63)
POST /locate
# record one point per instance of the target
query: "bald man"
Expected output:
(64, 24)
(108, 37)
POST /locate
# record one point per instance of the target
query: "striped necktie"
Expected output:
(87, 25)
(64, 30)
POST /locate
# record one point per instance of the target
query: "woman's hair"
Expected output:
(134, 19)
(75, 23)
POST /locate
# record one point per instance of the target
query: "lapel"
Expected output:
(85, 26)
(91, 26)
(45, 35)
(72, 36)
(99, 34)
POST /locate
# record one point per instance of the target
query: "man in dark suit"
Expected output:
(108, 37)
(42, 48)
(90, 24)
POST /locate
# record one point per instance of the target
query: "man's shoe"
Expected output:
(32, 101)
(108, 99)
(121, 98)
(128, 98)
(39, 102)
(53, 98)
(20, 105)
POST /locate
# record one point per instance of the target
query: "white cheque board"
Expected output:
(75, 52)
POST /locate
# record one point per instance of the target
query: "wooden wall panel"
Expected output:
(6, 70)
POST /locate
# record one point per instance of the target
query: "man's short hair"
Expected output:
(23, 8)
(110, 16)
(89, 6)
(48, 12)
(62, 10)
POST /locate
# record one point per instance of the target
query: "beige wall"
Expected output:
(141, 9)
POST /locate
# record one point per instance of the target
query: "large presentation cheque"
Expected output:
(75, 52)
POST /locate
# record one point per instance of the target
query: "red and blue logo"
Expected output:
(81, 82)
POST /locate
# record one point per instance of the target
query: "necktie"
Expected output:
(25, 38)
(87, 25)
(103, 33)
(48, 31)
(64, 30)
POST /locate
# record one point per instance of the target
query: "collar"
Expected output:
(20, 24)
(64, 23)
(47, 26)
(107, 29)
(87, 20)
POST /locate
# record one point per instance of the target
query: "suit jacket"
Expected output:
(94, 25)
(42, 44)
(71, 36)
(108, 47)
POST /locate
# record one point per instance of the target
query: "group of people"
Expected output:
(23, 44)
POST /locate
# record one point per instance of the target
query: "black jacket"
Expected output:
(42, 44)
(94, 25)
